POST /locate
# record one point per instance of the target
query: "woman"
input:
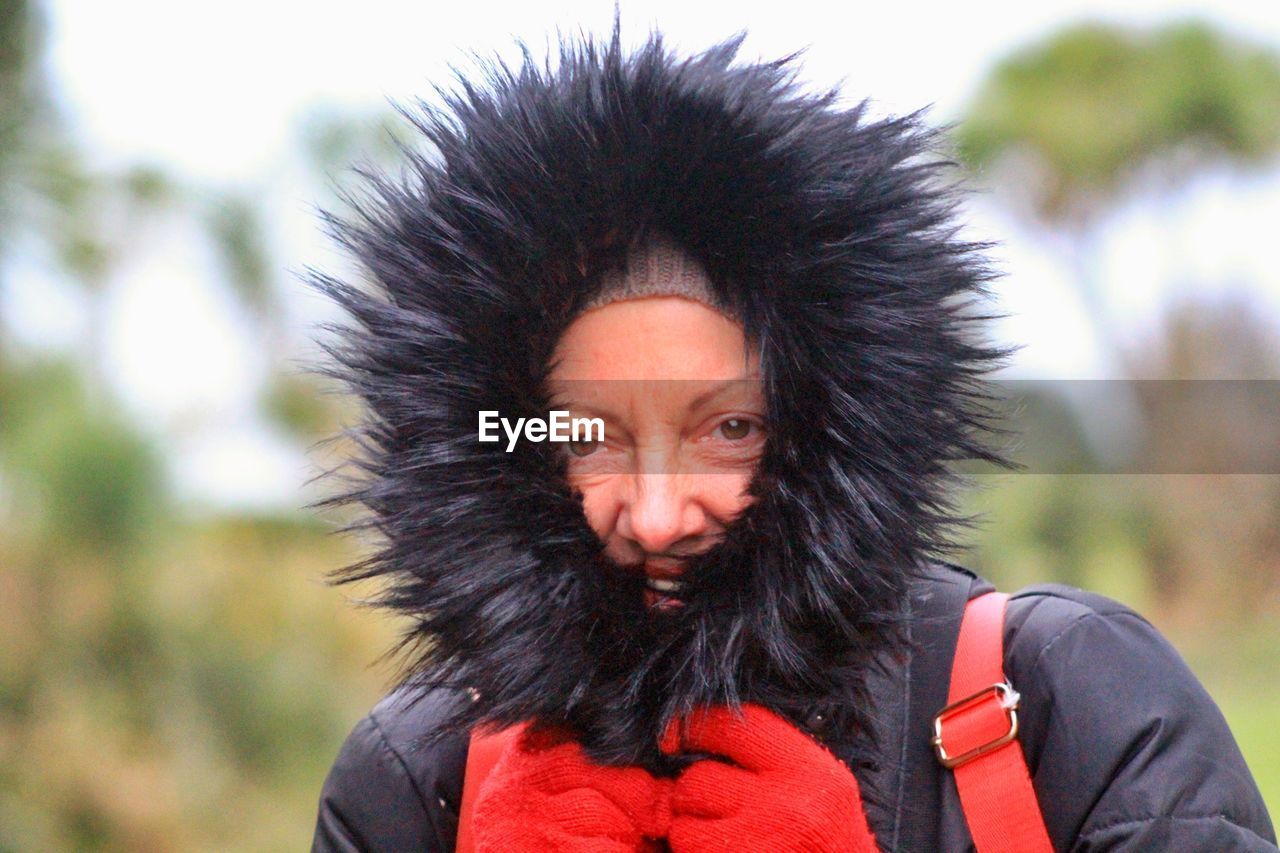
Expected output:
(726, 624)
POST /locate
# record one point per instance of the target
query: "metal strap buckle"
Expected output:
(1007, 698)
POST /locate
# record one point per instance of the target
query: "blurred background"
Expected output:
(170, 655)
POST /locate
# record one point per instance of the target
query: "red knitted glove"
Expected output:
(783, 792)
(545, 794)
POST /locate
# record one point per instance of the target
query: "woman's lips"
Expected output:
(667, 570)
(661, 585)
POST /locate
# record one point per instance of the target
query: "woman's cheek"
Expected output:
(598, 503)
(730, 496)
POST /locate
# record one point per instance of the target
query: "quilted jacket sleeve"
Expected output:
(387, 792)
(1129, 750)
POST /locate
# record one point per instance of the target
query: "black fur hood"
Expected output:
(828, 233)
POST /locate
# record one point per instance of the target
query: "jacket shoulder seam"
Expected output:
(404, 766)
(1076, 622)
(1074, 595)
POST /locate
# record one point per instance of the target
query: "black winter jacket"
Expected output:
(1125, 748)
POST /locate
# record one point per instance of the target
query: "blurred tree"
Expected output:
(158, 672)
(66, 217)
(331, 140)
(92, 484)
(83, 224)
(1213, 511)
(235, 222)
(1066, 128)
(22, 97)
(1092, 106)
(1064, 131)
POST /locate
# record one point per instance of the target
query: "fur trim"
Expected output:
(829, 234)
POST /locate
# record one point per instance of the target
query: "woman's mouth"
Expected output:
(662, 589)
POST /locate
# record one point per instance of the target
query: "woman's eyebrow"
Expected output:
(567, 401)
(719, 388)
(588, 409)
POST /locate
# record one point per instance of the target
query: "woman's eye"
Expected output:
(736, 429)
(583, 448)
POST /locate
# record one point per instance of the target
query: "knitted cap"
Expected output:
(658, 267)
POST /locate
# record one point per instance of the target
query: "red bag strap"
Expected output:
(976, 736)
(484, 751)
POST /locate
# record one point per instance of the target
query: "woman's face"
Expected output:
(683, 410)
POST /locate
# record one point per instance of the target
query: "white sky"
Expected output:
(212, 86)
(213, 92)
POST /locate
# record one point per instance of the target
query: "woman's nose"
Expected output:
(661, 510)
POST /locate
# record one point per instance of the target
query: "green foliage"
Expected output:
(235, 223)
(332, 139)
(93, 482)
(1238, 668)
(158, 673)
(21, 101)
(148, 185)
(146, 697)
(303, 406)
(1094, 103)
